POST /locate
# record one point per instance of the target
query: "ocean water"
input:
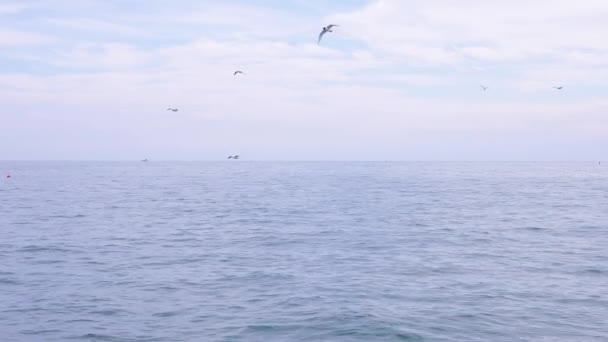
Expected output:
(254, 251)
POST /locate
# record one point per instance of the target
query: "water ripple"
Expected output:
(304, 252)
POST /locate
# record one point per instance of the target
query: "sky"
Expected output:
(397, 80)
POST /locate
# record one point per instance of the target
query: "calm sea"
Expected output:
(260, 251)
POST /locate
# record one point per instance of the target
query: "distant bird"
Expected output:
(145, 160)
(8, 176)
(173, 109)
(483, 87)
(233, 157)
(559, 88)
(238, 72)
(325, 30)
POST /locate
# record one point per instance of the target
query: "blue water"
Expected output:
(246, 251)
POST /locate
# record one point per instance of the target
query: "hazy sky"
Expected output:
(398, 80)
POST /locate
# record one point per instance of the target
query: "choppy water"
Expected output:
(246, 251)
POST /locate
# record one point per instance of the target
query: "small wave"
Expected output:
(168, 288)
(259, 328)
(48, 262)
(9, 282)
(23, 223)
(94, 337)
(593, 271)
(81, 320)
(166, 314)
(90, 262)
(67, 216)
(408, 337)
(37, 249)
(368, 334)
(39, 332)
(257, 275)
(109, 312)
(534, 229)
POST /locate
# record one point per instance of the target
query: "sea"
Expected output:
(243, 251)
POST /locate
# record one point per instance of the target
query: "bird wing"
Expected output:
(331, 26)
(321, 35)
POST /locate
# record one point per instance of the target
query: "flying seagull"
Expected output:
(173, 109)
(325, 30)
(233, 157)
(238, 72)
(559, 88)
(484, 87)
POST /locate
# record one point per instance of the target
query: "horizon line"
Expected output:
(302, 160)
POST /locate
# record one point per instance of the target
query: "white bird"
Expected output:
(484, 87)
(173, 109)
(559, 88)
(325, 30)
(238, 72)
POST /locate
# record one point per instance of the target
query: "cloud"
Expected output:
(101, 57)
(440, 32)
(90, 24)
(395, 79)
(9, 8)
(14, 38)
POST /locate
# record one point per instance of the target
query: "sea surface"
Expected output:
(303, 251)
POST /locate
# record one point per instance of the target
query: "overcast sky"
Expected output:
(397, 80)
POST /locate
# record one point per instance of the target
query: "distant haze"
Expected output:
(397, 80)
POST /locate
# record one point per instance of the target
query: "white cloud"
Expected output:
(9, 8)
(90, 24)
(393, 77)
(440, 32)
(14, 38)
(103, 57)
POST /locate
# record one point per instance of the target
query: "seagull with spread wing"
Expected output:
(325, 30)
